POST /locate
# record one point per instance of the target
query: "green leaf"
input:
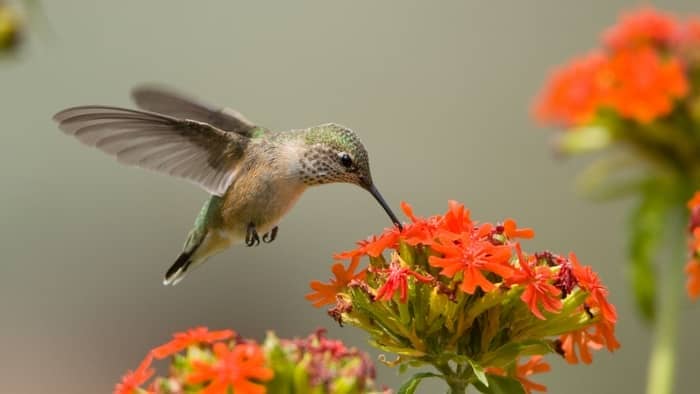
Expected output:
(646, 230)
(412, 384)
(509, 352)
(584, 139)
(479, 373)
(500, 385)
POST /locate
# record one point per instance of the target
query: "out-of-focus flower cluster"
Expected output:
(646, 67)
(221, 362)
(641, 89)
(692, 268)
(638, 95)
(463, 296)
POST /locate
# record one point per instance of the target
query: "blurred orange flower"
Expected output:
(193, 336)
(240, 368)
(692, 269)
(573, 93)
(324, 293)
(643, 85)
(642, 27)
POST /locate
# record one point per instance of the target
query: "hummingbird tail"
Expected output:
(177, 271)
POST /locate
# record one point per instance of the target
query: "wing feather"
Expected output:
(184, 148)
(167, 101)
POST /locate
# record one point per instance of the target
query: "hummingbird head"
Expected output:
(334, 154)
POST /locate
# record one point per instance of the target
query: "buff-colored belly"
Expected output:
(264, 209)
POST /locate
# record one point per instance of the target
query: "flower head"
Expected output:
(397, 279)
(454, 289)
(589, 281)
(325, 293)
(643, 85)
(539, 288)
(194, 336)
(574, 93)
(314, 364)
(241, 368)
(329, 363)
(643, 27)
(472, 257)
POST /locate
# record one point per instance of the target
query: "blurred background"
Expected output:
(439, 92)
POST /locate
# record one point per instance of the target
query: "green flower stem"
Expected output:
(457, 384)
(662, 362)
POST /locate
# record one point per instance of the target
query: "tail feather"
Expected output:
(193, 253)
(177, 271)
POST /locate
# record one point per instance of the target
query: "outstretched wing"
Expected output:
(167, 101)
(183, 148)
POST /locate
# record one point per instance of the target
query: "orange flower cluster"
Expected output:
(692, 268)
(640, 73)
(240, 367)
(451, 258)
(220, 362)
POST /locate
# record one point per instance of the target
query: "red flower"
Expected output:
(692, 269)
(583, 341)
(194, 336)
(240, 368)
(132, 380)
(589, 281)
(471, 257)
(420, 230)
(511, 230)
(642, 27)
(325, 293)
(456, 220)
(643, 86)
(573, 93)
(538, 287)
(397, 279)
(372, 247)
(605, 334)
(536, 364)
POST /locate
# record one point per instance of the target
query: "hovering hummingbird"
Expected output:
(254, 175)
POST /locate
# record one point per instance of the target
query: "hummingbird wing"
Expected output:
(170, 102)
(196, 151)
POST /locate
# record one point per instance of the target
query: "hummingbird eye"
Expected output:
(345, 160)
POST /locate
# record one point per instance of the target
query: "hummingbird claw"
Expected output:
(269, 237)
(252, 238)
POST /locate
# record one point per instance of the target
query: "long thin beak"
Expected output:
(372, 189)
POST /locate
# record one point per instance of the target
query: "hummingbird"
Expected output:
(253, 175)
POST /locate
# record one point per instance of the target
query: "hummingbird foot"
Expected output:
(271, 236)
(252, 238)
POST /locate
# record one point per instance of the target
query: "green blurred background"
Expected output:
(439, 92)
